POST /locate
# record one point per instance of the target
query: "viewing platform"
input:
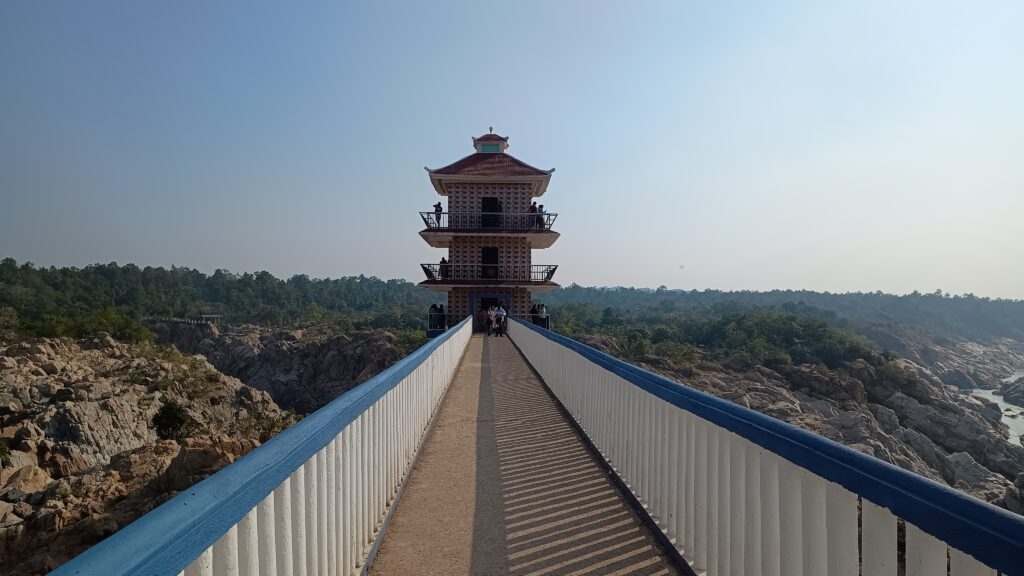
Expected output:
(535, 454)
(442, 227)
(445, 276)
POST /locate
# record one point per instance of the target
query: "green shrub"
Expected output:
(172, 422)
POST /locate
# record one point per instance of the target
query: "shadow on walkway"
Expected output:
(543, 503)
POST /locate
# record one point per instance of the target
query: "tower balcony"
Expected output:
(536, 277)
(441, 227)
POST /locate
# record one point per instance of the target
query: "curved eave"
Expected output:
(537, 240)
(439, 181)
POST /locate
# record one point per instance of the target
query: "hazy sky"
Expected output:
(823, 145)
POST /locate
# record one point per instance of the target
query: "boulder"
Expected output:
(29, 431)
(29, 479)
(886, 417)
(17, 459)
(9, 519)
(52, 367)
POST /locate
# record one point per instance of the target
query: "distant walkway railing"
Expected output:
(309, 501)
(489, 272)
(524, 221)
(739, 492)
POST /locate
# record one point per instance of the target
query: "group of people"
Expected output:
(539, 315)
(436, 319)
(497, 321)
(539, 211)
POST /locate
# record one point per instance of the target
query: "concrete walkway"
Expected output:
(504, 485)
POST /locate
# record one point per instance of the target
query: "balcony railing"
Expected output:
(489, 272)
(526, 221)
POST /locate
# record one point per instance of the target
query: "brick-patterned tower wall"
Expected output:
(515, 197)
(465, 197)
(512, 250)
(459, 300)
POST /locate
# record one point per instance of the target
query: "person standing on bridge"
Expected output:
(500, 319)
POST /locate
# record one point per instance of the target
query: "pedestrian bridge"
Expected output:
(535, 454)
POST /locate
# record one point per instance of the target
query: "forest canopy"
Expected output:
(114, 298)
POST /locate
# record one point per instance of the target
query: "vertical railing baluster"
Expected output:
(813, 523)
(674, 480)
(752, 556)
(878, 536)
(348, 498)
(700, 499)
(322, 511)
(225, 554)
(297, 483)
(771, 520)
(791, 533)
(283, 528)
(841, 520)
(690, 510)
(925, 555)
(248, 545)
(331, 511)
(713, 488)
(309, 514)
(201, 566)
(724, 512)
(737, 510)
(265, 531)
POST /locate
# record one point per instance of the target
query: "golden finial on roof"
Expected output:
(490, 129)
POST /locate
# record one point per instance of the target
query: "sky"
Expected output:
(833, 146)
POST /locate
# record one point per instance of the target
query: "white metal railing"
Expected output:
(310, 501)
(740, 493)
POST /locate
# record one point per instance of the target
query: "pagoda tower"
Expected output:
(490, 230)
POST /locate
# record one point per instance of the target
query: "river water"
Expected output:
(1016, 424)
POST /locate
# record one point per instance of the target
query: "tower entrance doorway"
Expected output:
(479, 303)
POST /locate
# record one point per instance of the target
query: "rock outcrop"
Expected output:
(954, 360)
(79, 452)
(1013, 392)
(301, 372)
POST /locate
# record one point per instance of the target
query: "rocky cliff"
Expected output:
(300, 371)
(957, 361)
(80, 454)
(895, 410)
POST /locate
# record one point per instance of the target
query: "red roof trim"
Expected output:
(490, 164)
(491, 138)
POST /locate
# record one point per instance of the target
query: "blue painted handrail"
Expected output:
(169, 538)
(992, 535)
